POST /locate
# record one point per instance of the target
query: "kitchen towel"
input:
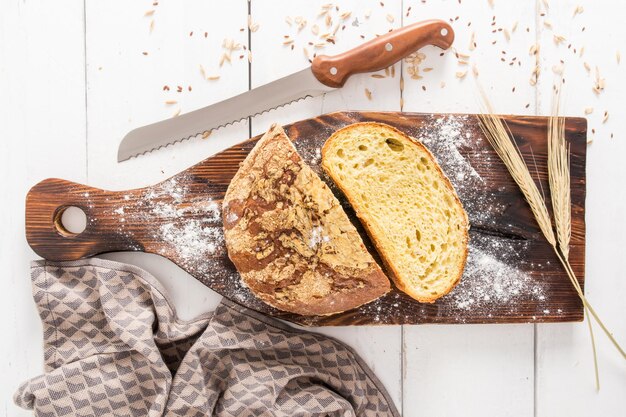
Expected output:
(113, 346)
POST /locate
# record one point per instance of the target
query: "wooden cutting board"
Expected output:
(511, 276)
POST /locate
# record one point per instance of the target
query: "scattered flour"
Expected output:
(317, 237)
(191, 226)
(490, 281)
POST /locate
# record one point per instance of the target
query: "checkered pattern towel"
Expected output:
(115, 347)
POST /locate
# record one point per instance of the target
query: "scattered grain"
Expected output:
(253, 27)
(578, 10)
(301, 22)
(558, 68)
(599, 82)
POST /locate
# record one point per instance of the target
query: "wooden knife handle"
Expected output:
(106, 229)
(381, 52)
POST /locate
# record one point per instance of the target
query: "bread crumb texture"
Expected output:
(289, 237)
(406, 203)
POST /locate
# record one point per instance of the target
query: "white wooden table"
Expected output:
(75, 76)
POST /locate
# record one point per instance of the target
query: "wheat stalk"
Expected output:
(559, 180)
(500, 138)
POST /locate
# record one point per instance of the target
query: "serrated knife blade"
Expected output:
(283, 91)
(325, 74)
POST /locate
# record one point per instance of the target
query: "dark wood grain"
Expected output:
(127, 221)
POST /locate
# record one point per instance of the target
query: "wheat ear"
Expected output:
(501, 140)
(559, 176)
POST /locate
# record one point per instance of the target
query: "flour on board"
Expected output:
(490, 284)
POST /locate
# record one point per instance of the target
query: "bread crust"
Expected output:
(288, 236)
(382, 250)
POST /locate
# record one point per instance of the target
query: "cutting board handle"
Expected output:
(382, 52)
(48, 237)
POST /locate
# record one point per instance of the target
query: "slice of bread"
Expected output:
(407, 205)
(289, 237)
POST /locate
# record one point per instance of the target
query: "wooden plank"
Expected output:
(565, 376)
(180, 219)
(460, 370)
(380, 347)
(126, 90)
(42, 125)
(502, 373)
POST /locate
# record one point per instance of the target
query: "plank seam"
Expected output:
(535, 364)
(85, 86)
(249, 61)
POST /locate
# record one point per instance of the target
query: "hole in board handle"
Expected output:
(70, 221)
(444, 32)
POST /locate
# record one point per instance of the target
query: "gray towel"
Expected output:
(113, 346)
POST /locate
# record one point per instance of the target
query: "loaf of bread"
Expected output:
(407, 205)
(289, 237)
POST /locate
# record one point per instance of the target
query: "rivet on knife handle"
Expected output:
(382, 52)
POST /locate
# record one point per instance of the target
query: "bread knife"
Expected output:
(325, 74)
